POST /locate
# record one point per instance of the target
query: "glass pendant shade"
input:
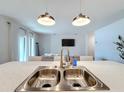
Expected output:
(46, 20)
(81, 20)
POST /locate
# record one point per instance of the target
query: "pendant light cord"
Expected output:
(80, 6)
(84, 6)
(46, 6)
(84, 9)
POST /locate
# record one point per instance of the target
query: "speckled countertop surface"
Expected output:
(12, 74)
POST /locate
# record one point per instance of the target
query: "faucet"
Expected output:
(68, 57)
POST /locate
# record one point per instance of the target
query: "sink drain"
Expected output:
(76, 85)
(46, 86)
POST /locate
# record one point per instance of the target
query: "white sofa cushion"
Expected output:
(86, 58)
(34, 58)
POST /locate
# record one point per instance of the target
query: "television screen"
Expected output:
(68, 42)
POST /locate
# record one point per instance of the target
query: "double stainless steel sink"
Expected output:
(61, 79)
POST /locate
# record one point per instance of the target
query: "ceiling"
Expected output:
(101, 12)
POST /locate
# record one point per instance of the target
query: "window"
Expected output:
(22, 44)
(22, 48)
(31, 45)
(26, 45)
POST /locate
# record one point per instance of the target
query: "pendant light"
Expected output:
(81, 19)
(46, 20)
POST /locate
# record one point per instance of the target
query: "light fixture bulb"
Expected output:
(46, 20)
(81, 20)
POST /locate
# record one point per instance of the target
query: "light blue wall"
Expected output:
(104, 38)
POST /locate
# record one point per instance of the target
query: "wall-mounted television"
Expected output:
(68, 42)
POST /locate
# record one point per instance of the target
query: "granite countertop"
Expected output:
(12, 74)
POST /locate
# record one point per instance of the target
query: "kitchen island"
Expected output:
(12, 74)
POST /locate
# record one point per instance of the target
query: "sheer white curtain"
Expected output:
(22, 45)
(31, 42)
(26, 44)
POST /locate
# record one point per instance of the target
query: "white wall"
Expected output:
(45, 43)
(105, 48)
(78, 49)
(4, 49)
(52, 43)
(9, 39)
(90, 43)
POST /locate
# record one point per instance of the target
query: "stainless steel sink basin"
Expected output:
(43, 78)
(83, 79)
(61, 79)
